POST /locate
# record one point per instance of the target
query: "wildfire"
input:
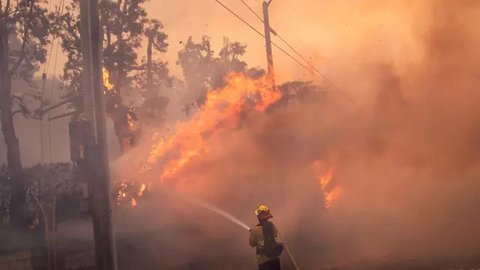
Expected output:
(326, 179)
(332, 196)
(106, 80)
(331, 192)
(132, 121)
(143, 187)
(222, 110)
(130, 193)
(133, 202)
(121, 193)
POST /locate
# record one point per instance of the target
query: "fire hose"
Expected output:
(241, 224)
(289, 253)
(232, 219)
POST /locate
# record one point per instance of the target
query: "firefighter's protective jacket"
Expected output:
(257, 240)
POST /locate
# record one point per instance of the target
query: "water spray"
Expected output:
(237, 221)
(215, 210)
(228, 216)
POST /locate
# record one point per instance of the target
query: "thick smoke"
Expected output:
(405, 156)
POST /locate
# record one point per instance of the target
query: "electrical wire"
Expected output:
(251, 9)
(275, 33)
(300, 15)
(259, 33)
(51, 97)
(313, 70)
(240, 18)
(297, 53)
(46, 67)
(56, 44)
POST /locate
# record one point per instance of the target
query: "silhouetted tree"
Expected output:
(125, 25)
(204, 71)
(24, 32)
(155, 75)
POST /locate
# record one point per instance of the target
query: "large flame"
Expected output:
(331, 192)
(222, 110)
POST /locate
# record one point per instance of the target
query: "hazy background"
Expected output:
(341, 38)
(406, 155)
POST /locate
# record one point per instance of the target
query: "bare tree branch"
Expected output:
(25, 39)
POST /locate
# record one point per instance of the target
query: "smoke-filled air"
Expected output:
(363, 148)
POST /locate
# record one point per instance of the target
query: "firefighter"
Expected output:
(265, 238)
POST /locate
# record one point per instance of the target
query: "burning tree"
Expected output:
(223, 110)
(204, 71)
(155, 74)
(124, 25)
(24, 32)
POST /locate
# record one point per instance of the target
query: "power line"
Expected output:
(55, 44)
(281, 38)
(46, 67)
(293, 58)
(258, 32)
(292, 5)
(254, 13)
(52, 89)
(297, 53)
(313, 70)
(240, 18)
(258, 16)
(44, 81)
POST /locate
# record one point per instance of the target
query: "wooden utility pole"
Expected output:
(97, 163)
(268, 40)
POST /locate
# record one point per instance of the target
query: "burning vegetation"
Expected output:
(381, 174)
(331, 191)
(223, 109)
(129, 193)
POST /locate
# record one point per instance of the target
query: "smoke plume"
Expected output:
(404, 154)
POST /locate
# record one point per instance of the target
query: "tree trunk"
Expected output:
(18, 188)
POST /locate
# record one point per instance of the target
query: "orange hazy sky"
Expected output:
(330, 33)
(340, 37)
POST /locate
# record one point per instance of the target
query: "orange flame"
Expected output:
(143, 187)
(122, 193)
(133, 202)
(129, 194)
(222, 109)
(332, 196)
(331, 192)
(133, 124)
(326, 179)
(106, 80)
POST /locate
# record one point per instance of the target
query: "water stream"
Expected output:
(228, 216)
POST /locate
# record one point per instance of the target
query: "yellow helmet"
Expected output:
(262, 208)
